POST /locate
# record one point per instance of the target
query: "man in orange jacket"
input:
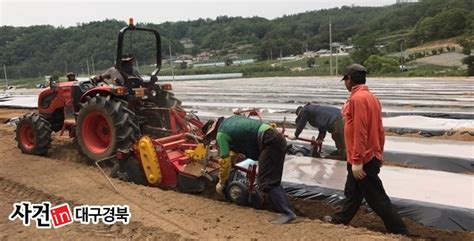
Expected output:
(364, 138)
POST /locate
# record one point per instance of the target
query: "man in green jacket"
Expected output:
(257, 141)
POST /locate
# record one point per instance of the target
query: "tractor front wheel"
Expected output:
(105, 125)
(33, 134)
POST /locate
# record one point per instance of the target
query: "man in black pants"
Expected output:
(257, 141)
(364, 137)
(326, 119)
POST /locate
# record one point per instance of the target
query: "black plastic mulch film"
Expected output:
(428, 214)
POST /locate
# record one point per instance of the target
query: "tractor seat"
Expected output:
(135, 82)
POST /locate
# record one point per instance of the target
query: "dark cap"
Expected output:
(211, 126)
(210, 129)
(352, 69)
(207, 126)
(127, 58)
(70, 73)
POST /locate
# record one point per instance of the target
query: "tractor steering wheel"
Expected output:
(98, 81)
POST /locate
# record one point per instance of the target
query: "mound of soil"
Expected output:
(314, 209)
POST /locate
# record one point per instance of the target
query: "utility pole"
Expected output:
(337, 65)
(5, 73)
(171, 61)
(330, 46)
(281, 59)
(65, 66)
(401, 54)
(88, 70)
(93, 65)
(19, 72)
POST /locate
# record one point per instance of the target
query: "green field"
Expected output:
(271, 68)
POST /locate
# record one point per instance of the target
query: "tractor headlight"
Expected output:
(153, 93)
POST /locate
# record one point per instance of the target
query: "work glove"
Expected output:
(292, 137)
(219, 188)
(358, 171)
(224, 168)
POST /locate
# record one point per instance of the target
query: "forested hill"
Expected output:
(40, 50)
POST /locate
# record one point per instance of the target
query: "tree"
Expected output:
(228, 62)
(183, 65)
(344, 62)
(448, 23)
(469, 61)
(364, 47)
(310, 62)
(466, 44)
(380, 64)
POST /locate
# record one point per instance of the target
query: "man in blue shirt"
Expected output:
(326, 119)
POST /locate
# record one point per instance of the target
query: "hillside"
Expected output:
(40, 50)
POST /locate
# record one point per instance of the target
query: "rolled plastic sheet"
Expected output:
(417, 160)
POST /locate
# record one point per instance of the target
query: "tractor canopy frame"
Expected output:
(119, 61)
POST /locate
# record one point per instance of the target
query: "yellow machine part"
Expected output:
(149, 160)
(198, 154)
(233, 156)
(139, 92)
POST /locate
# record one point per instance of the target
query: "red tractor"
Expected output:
(138, 122)
(105, 118)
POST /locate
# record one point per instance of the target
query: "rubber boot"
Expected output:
(279, 198)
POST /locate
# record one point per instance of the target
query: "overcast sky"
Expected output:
(69, 12)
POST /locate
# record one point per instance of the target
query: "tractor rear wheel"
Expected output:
(33, 134)
(105, 125)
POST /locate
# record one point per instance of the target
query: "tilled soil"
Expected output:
(7, 113)
(64, 177)
(11, 192)
(156, 213)
(316, 210)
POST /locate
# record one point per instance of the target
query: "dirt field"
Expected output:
(436, 44)
(63, 176)
(447, 59)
